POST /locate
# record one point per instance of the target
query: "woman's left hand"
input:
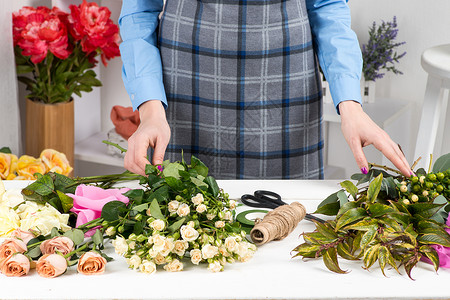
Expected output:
(359, 131)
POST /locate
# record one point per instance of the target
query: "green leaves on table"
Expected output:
(383, 218)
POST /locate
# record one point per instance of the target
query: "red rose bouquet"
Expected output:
(59, 49)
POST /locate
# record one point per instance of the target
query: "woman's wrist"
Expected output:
(151, 108)
(349, 108)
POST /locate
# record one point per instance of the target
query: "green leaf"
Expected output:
(361, 178)
(331, 262)
(199, 183)
(433, 238)
(317, 238)
(43, 186)
(199, 166)
(138, 227)
(425, 210)
(174, 183)
(66, 201)
(5, 150)
(350, 216)
(442, 163)
(371, 255)
(213, 187)
(378, 210)
(374, 188)
(431, 254)
(350, 188)
(326, 230)
(34, 252)
(368, 237)
(175, 226)
(76, 235)
(342, 196)
(150, 169)
(344, 252)
(136, 195)
(330, 209)
(54, 232)
(172, 170)
(346, 207)
(307, 250)
(388, 186)
(382, 258)
(140, 207)
(113, 210)
(332, 199)
(97, 238)
(410, 262)
(155, 210)
(363, 225)
(61, 182)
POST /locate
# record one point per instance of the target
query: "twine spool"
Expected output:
(278, 223)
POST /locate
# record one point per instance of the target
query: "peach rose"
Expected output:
(91, 263)
(11, 246)
(8, 165)
(51, 265)
(56, 161)
(23, 235)
(17, 265)
(27, 166)
(59, 243)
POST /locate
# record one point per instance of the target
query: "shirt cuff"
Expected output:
(345, 88)
(146, 88)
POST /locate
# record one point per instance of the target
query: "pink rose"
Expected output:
(51, 265)
(20, 234)
(91, 263)
(9, 247)
(59, 243)
(17, 265)
(88, 202)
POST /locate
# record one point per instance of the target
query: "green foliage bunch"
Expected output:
(385, 218)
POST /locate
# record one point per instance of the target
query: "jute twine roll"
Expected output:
(278, 223)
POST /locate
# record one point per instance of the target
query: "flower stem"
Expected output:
(384, 168)
(123, 150)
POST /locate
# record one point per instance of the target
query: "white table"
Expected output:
(270, 274)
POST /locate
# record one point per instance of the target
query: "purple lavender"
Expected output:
(379, 53)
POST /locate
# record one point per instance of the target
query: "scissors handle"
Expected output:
(261, 198)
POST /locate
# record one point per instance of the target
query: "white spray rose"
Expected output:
(227, 215)
(201, 208)
(196, 256)
(147, 267)
(110, 231)
(183, 210)
(120, 245)
(152, 253)
(215, 267)
(158, 225)
(232, 204)
(197, 199)
(209, 251)
(159, 259)
(188, 233)
(219, 224)
(231, 244)
(180, 247)
(134, 262)
(210, 216)
(174, 266)
(158, 242)
(173, 206)
(168, 247)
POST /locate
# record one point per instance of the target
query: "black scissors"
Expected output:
(268, 199)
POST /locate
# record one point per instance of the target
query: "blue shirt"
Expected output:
(335, 43)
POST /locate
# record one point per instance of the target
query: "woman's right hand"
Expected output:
(153, 131)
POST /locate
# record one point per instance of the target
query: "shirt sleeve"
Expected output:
(142, 67)
(337, 48)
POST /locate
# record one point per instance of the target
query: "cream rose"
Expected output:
(168, 247)
(9, 221)
(16, 265)
(51, 265)
(44, 219)
(152, 253)
(232, 204)
(196, 256)
(158, 225)
(215, 267)
(59, 243)
(134, 261)
(201, 208)
(174, 266)
(227, 215)
(219, 224)
(173, 206)
(197, 199)
(110, 231)
(120, 245)
(159, 259)
(91, 263)
(12, 198)
(147, 267)
(188, 233)
(209, 251)
(223, 251)
(210, 216)
(183, 210)
(231, 243)
(180, 247)
(158, 242)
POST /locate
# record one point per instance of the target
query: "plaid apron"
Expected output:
(243, 87)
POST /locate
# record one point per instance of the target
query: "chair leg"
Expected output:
(429, 122)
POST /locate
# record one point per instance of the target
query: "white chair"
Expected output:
(436, 62)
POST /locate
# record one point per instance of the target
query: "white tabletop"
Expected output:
(270, 274)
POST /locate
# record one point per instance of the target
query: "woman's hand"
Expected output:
(153, 131)
(359, 131)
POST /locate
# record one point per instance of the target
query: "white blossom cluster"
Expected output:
(205, 238)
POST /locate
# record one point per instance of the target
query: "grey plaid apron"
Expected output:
(243, 88)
